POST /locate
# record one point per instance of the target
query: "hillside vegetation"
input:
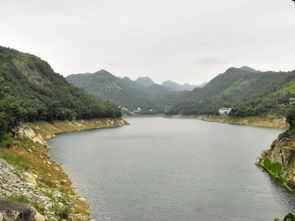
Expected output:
(31, 91)
(121, 91)
(247, 91)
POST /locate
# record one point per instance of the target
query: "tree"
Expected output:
(291, 118)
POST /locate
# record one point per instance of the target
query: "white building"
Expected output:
(224, 111)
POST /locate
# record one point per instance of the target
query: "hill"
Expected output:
(121, 91)
(173, 86)
(144, 81)
(238, 88)
(31, 91)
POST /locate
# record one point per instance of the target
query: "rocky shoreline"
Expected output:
(279, 159)
(29, 176)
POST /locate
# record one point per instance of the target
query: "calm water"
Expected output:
(160, 169)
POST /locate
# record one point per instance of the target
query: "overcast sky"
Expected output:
(181, 40)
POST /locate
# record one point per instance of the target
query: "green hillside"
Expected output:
(238, 88)
(30, 90)
(275, 102)
(121, 91)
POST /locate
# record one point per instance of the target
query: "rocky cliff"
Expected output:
(281, 151)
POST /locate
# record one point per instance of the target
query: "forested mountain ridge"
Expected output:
(235, 87)
(122, 91)
(247, 91)
(30, 90)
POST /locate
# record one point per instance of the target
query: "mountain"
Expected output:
(144, 81)
(173, 86)
(121, 91)
(30, 91)
(237, 86)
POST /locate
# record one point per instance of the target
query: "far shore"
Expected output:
(269, 121)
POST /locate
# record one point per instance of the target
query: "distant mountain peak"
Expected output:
(144, 81)
(102, 71)
(249, 69)
(173, 86)
(243, 68)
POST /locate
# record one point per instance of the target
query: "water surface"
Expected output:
(160, 169)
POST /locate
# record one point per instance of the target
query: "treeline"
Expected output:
(275, 102)
(247, 91)
(31, 91)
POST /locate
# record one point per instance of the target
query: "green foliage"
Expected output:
(289, 217)
(266, 163)
(246, 91)
(121, 91)
(291, 118)
(18, 198)
(274, 168)
(277, 169)
(31, 91)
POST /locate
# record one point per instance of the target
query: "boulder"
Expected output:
(12, 211)
(29, 179)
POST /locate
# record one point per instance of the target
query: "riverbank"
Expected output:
(29, 176)
(268, 121)
(279, 159)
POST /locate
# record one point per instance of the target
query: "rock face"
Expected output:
(12, 211)
(25, 131)
(282, 150)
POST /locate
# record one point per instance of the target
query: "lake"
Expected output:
(161, 169)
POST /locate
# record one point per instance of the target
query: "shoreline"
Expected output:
(267, 122)
(28, 154)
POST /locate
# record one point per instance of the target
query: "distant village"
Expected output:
(137, 111)
(223, 111)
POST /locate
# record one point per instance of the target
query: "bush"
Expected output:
(291, 118)
(289, 217)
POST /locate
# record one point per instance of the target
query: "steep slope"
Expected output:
(122, 91)
(30, 90)
(279, 159)
(233, 87)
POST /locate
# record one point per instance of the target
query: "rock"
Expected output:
(12, 211)
(288, 155)
(1, 216)
(29, 179)
(56, 194)
(25, 131)
(39, 217)
(83, 200)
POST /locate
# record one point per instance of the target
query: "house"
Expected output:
(292, 100)
(138, 110)
(125, 111)
(224, 111)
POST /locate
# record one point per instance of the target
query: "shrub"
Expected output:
(289, 217)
